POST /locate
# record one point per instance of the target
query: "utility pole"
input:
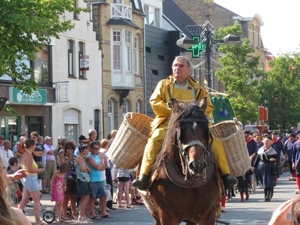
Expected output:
(207, 53)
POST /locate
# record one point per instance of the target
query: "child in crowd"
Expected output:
(13, 187)
(58, 187)
(243, 187)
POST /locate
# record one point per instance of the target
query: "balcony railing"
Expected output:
(120, 11)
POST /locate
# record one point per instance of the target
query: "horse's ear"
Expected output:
(175, 105)
(203, 103)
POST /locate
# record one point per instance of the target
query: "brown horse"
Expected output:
(185, 185)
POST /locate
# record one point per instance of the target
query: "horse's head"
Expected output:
(192, 135)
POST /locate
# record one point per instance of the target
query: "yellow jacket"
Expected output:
(162, 95)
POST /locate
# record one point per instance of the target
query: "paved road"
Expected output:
(252, 212)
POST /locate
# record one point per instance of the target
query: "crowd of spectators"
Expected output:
(78, 176)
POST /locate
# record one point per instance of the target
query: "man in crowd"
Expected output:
(50, 159)
(6, 154)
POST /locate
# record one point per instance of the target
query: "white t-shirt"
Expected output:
(5, 156)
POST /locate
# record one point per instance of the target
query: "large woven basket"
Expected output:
(231, 134)
(128, 146)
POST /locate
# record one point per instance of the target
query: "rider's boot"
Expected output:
(141, 183)
(229, 181)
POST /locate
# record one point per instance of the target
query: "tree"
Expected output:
(240, 74)
(279, 89)
(26, 26)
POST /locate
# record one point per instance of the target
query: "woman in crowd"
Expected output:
(71, 191)
(83, 187)
(108, 174)
(31, 185)
(267, 156)
(9, 215)
(123, 177)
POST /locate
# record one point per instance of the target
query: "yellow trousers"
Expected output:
(155, 142)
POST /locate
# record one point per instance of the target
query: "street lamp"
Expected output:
(204, 42)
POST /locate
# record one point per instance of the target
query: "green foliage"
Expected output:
(25, 27)
(240, 74)
(278, 91)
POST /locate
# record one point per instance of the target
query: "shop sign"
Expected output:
(38, 96)
(84, 62)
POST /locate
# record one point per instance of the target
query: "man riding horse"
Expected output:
(182, 87)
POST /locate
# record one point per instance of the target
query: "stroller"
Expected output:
(48, 216)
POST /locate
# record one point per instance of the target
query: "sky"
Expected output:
(280, 32)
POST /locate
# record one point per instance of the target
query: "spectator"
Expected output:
(6, 154)
(71, 190)
(123, 177)
(80, 140)
(108, 174)
(50, 159)
(10, 215)
(1, 142)
(13, 187)
(38, 154)
(60, 151)
(98, 190)
(31, 185)
(92, 135)
(17, 146)
(58, 187)
(83, 187)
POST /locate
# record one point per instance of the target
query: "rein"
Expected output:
(182, 147)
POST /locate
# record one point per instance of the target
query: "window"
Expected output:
(152, 15)
(138, 106)
(257, 37)
(136, 55)
(80, 54)
(41, 66)
(71, 58)
(128, 50)
(136, 4)
(252, 34)
(125, 107)
(110, 114)
(71, 124)
(117, 50)
(75, 15)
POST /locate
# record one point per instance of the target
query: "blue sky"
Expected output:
(280, 32)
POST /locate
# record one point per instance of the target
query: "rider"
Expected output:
(184, 88)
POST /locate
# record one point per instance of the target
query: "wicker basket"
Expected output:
(232, 136)
(128, 146)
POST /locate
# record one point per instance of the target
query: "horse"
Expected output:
(185, 184)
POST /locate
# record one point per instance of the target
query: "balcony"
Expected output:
(121, 11)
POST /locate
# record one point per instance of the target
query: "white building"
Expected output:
(77, 76)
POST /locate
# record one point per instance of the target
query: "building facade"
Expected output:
(77, 79)
(119, 25)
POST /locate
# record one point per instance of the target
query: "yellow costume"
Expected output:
(164, 91)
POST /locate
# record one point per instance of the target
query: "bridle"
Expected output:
(184, 158)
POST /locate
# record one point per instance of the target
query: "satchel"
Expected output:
(277, 169)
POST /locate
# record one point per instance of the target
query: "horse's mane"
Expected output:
(169, 146)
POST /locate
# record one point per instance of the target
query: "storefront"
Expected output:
(33, 114)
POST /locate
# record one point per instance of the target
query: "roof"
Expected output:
(122, 23)
(177, 17)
